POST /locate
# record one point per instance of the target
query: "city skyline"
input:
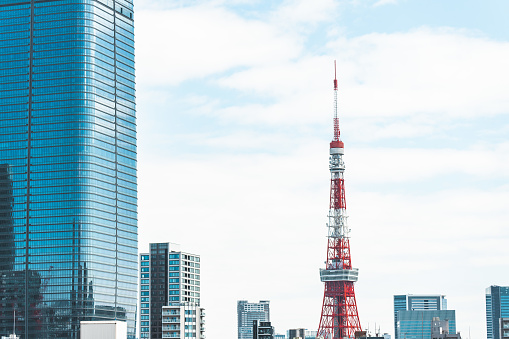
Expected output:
(240, 92)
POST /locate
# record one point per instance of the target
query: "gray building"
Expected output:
(247, 313)
(497, 307)
(168, 276)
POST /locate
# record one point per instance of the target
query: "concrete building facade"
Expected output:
(183, 320)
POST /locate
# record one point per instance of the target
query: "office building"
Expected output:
(281, 336)
(168, 276)
(183, 320)
(68, 210)
(413, 315)
(262, 330)
(497, 306)
(247, 313)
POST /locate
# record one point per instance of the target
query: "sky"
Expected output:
(235, 108)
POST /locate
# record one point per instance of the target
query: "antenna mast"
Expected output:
(336, 120)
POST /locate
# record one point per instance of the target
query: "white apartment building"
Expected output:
(183, 320)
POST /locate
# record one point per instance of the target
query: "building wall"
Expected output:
(68, 242)
(504, 328)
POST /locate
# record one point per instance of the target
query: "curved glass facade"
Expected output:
(68, 188)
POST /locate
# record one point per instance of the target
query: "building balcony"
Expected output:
(171, 335)
(171, 320)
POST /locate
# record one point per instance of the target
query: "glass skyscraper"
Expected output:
(68, 188)
(497, 306)
(413, 315)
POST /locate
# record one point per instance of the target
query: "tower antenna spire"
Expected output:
(336, 120)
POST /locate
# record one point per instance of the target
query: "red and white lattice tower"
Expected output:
(339, 317)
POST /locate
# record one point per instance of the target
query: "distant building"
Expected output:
(262, 330)
(440, 330)
(311, 334)
(247, 313)
(168, 276)
(413, 315)
(504, 328)
(297, 333)
(183, 320)
(497, 306)
(280, 336)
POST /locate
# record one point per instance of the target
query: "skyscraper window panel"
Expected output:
(68, 201)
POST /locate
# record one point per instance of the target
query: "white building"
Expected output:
(107, 329)
(183, 320)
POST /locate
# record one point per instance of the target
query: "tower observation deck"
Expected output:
(339, 318)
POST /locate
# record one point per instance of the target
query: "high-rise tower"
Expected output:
(68, 205)
(497, 307)
(339, 317)
(168, 277)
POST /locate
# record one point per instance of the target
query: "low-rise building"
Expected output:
(183, 320)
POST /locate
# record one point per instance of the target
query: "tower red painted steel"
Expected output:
(339, 318)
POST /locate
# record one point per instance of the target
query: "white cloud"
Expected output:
(189, 43)
(386, 165)
(385, 2)
(297, 12)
